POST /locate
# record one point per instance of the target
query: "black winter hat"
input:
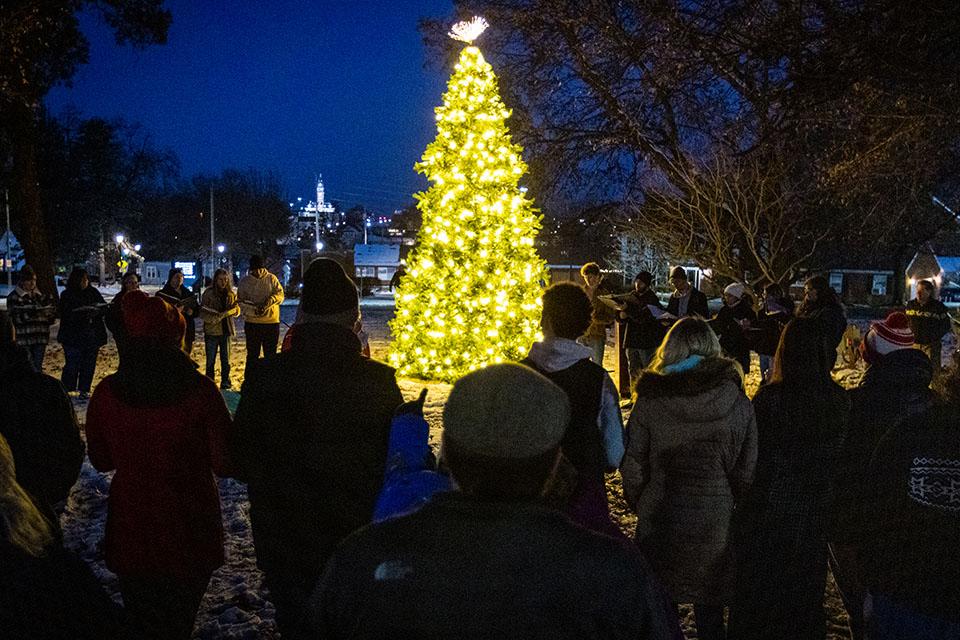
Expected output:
(256, 262)
(327, 289)
(645, 277)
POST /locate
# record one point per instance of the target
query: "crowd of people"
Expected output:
(742, 505)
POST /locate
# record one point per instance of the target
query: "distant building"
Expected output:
(315, 218)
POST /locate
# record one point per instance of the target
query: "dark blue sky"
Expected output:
(301, 87)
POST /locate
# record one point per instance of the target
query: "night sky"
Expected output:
(340, 88)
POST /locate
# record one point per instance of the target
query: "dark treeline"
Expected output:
(100, 177)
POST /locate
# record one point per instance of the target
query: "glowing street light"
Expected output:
(221, 249)
(119, 238)
(319, 246)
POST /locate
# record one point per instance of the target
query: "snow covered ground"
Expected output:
(236, 605)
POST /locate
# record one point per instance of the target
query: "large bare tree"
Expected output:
(638, 99)
(41, 44)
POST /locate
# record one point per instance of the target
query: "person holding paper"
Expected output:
(218, 308)
(185, 301)
(686, 300)
(642, 330)
(260, 295)
(81, 333)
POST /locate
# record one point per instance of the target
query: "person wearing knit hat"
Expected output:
(312, 436)
(162, 427)
(888, 335)
(328, 294)
(894, 390)
(686, 300)
(152, 318)
(732, 321)
(492, 555)
(260, 294)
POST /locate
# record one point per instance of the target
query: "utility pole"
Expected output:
(8, 262)
(213, 243)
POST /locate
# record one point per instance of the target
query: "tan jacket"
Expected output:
(255, 293)
(212, 325)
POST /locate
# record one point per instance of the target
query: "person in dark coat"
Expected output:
(491, 560)
(691, 452)
(821, 303)
(312, 429)
(780, 531)
(930, 321)
(38, 421)
(32, 313)
(81, 331)
(895, 387)
(732, 321)
(47, 593)
(163, 428)
(185, 301)
(686, 299)
(114, 316)
(911, 524)
(775, 312)
(593, 442)
(642, 332)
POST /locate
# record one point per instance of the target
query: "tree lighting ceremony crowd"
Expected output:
(361, 531)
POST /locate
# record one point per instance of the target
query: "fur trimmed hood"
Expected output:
(706, 392)
(710, 373)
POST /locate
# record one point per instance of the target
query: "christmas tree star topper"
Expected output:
(468, 30)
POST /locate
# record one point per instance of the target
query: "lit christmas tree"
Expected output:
(471, 296)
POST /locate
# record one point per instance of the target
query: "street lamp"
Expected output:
(119, 238)
(319, 246)
(220, 249)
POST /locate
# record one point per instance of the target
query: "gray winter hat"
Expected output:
(505, 411)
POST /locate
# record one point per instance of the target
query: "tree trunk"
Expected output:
(27, 215)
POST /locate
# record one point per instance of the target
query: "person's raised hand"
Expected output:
(413, 406)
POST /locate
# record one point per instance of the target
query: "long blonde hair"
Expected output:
(688, 337)
(22, 523)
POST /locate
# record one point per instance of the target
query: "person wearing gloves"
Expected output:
(593, 441)
(732, 321)
(412, 477)
(260, 294)
(491, 559)
(218, 308)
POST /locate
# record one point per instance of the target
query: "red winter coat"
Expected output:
(164, 507)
